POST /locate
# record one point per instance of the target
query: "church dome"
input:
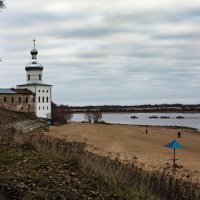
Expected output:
(34, 51)
(34, 64)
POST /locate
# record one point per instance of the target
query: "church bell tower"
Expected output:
(43, 92)
(34, 69)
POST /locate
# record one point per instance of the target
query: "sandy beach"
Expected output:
(128, 141)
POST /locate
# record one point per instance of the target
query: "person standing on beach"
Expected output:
(146, 131)
(179, 134)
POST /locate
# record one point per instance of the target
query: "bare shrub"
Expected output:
(94, 116)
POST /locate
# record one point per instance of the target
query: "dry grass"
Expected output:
(167, 184)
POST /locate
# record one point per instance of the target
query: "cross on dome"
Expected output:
(34, 40)
(34, 51)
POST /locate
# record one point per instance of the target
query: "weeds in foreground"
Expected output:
(123, 180)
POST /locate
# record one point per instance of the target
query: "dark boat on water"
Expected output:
(164, 117)
(179, 117)
(134, 117)
(153, 117)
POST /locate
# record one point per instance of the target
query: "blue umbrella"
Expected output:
(174, 145)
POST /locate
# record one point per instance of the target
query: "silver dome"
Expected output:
(34, 65)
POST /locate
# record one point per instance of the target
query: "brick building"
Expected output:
(21, 100)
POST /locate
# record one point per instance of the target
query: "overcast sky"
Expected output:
(98, 52)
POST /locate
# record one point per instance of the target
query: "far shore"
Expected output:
(131, 141)
(139, 111)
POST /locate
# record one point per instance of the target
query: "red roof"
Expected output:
(22, 91)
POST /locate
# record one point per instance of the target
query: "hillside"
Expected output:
(24, 122)
(12, 116)
(36, 166)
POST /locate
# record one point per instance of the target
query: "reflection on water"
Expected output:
(189, 119)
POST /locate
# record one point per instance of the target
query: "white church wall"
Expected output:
(34, 76)
(43, 101)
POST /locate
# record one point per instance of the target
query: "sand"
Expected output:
(128, 141)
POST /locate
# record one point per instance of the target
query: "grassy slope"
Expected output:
(34, 166)
(26, 173)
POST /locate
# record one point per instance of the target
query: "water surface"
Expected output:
(191, 120)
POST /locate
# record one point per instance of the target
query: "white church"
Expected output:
(43, 92)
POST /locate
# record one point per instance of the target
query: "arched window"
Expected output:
(33, 99)
(26, 99)
(40, 76)
(39, 99)
(20, 99)
(12, 99)
(5, 99)
(29, 77)
(47, 99)
(43, 99)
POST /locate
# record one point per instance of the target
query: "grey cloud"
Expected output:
(104, 56)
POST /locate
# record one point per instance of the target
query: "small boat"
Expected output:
(164, 117)
(179, 117)
(153, 117)
(134, 117)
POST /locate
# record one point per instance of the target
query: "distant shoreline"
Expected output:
(139, 125)
(140, 111)
(177, 120)
(157, 108)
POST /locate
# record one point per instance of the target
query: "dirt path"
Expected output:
(130, 141)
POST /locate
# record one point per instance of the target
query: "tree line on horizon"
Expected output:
(133, 108)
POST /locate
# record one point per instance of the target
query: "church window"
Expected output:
(39, 90)
(43, 99)
(29, 107)
(29, 77)
(20, 99)
(47, 91)
(21, 108)
(12, 99)
(39, 99)
(5, 99)
(33, 99)
(42, 90)
(40, 77)
(26, 99)
(47, 99)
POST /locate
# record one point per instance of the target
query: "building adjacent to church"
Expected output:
(21, 100)
(35, 95)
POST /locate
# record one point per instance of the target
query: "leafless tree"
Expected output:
(2, 4)
(88, 116)
(93, 116)
(61, 113)
(97, 116)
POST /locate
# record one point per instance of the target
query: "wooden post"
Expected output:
(174, 158)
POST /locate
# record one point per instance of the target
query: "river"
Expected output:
(191, 120)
